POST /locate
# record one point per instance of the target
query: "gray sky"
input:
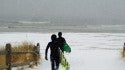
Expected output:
(63, 8)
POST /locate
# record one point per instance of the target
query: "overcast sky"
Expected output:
(63, 8)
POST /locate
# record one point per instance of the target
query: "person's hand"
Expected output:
(46, 58)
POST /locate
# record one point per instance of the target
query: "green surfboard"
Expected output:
(67, 48)
(64, 63)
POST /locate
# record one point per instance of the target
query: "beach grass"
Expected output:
(20, 58)
(123, 53)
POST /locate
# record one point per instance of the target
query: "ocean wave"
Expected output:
(33, 22)
(6, 27)
(112, 25)
(23, 27)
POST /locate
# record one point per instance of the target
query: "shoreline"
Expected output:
(61, 31)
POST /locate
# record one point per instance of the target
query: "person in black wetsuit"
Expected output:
(54, 54)
(61, 41)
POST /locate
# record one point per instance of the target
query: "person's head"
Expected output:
(60, 34)
(53, 37)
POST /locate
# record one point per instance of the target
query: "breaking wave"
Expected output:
(33, 22)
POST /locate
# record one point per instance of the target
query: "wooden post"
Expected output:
(8, 56)
(38, 48)
(36, 53)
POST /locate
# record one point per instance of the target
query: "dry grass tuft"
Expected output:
(23, 47)
(20, 58)
(123, 53)
(2, 60)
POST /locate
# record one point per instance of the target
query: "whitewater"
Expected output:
(51, 26)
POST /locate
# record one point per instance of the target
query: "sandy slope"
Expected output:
(90, 51)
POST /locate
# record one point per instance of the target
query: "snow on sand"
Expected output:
(90, 51)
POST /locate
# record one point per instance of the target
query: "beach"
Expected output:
(89, 50)
(94, 29)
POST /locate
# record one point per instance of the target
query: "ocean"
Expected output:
(48, 26)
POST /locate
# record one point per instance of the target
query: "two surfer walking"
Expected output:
(56, 45)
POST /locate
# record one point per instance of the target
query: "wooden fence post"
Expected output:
(8, 56)
(38, 48)
(36, 53)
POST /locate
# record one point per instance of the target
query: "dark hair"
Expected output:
(59, 33)
(53, 37)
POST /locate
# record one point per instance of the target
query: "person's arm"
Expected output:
(64, 40)
(46, 52)
(61, 48)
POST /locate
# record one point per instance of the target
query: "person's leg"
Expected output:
(52, 64)
(57, 64)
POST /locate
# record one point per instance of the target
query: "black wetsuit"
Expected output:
(54, 54)
(61, 42)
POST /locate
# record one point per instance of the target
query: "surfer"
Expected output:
(54, 53)
(61, 41)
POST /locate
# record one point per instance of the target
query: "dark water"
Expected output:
(47, 26)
